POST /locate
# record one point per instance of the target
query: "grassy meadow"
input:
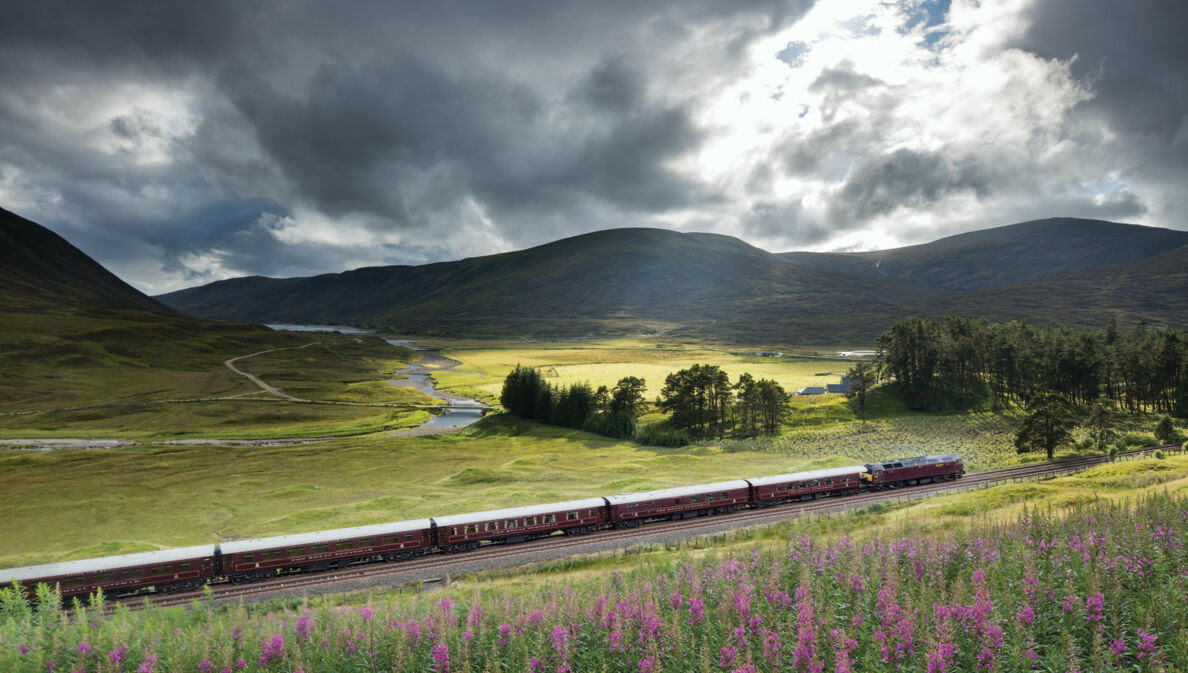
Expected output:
(838, 593)
(198, 397)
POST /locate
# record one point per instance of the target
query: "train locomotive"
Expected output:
(189, 568)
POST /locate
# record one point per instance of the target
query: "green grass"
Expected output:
(61, 503)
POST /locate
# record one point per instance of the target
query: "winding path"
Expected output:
(255, 379)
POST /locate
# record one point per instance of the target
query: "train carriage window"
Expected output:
(184, 565)
(709, 497)
(511, 523)
(295, 551)
(249, 557)
(801, 485)
(102, 578)
(694, 498)
(72, 583)
(270, 555)
(726, 496)
(161, 570)
(490, 526)
(408, 537)
(471, 528)
(828, 482)
(650, 502)
(589, 512)
(571, 516)
(549, 518)
(131, 573)
(816, 482)
(454, 530)
(319, 549)
(529, 521)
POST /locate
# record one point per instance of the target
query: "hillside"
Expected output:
(41, 270)
(613, 281)
(1004, 255)
(1153, 289)
(73, 333)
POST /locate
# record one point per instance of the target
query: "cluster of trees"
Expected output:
(963, 362)
(1051, 418)
(704, 403)
(606, 411)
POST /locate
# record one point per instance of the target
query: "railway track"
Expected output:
(434, 566)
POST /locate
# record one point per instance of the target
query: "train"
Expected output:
(189, 568)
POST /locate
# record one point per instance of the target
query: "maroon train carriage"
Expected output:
(912, 471)
(768, 491)
(460, 532)
(632, 509)
(165, 570)
(265, 557)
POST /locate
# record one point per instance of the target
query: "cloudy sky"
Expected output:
(180, 143)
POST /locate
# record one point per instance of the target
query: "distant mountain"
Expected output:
(1004, 255)
(40, 269)
(1154, 289)
(612, 281)
(704, 285)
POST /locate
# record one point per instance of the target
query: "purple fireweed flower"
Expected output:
(1146, 644)
(441, 657)
(206, 666)
(747, 668)
(1118, 647)
(727, 656)
(24, 649)
(674, 600)
(116, 656)
(696, 609)
(273, 650)
(1029, 655)
(237, 635)
(1071, 603)
(365, 612)
(771, 648)
(649, 665)
(1095, 607)
(303, 628)
(84, 648)
(1026, 615)
(149, 665)
(475, 616)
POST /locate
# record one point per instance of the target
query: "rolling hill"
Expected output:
(612, 281)
(1004, 255)
(73, 333)
(622, 281)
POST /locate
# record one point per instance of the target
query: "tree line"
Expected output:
(701, 400)
(963, 362)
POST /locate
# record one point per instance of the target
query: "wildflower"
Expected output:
(475, 616)
(149, 665)
(726, 656)
(1030, 655)
(206, 666)
(24, 649)
(237, 635)
(1118, 647)
(1146, 644)
(303, 628)
(441, 657)
(366, 612)
(696, 610)
(84, 648)
(1095, 607)
(1070, 604)
(273, 650)
(649, 665)
(1026, 615)
(116, 656)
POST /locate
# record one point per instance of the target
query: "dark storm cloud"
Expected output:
(905, 178)
(557, 116)
(1134, 53)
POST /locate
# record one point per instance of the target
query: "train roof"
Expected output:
(516, 512)
(805, 476)
(916, 460)
(373, 530)
(626, 498)
(92, 565)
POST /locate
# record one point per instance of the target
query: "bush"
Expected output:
(654, 436)
(610, 424)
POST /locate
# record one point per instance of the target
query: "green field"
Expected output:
(76, 503)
